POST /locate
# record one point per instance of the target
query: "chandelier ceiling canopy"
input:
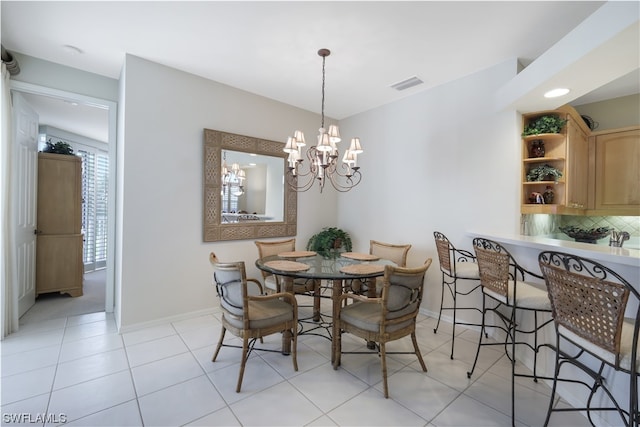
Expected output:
(324, 161)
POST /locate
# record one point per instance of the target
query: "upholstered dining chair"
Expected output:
(386, 318)
(396, 253)
(455, 264)
(596, 314)
(509, 289)
(249, 314)
(273, 283)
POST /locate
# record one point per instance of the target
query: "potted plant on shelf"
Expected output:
(329, 242)
(550, 123)
(59, 147)
(543, 172)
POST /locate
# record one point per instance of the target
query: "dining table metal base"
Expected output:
(330, 327)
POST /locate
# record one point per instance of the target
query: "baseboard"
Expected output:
(447, 319)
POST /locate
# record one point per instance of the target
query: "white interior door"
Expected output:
(24, 198)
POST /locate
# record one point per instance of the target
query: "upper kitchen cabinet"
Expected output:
(614, 185)
(555, 162)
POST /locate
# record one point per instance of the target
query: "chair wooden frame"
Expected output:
(502, 279)
(392, 320)
(256, 309)
(455, 264)
(574, 284)
(300, 286)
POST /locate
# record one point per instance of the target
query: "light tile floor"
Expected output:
(79, 371)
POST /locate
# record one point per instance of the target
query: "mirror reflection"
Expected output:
(252, 187)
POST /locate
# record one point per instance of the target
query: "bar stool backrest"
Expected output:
(444, 248)
(496, 266)
(587, 298)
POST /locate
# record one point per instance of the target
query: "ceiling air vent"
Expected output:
(406, 84)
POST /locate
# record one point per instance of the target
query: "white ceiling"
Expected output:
(270, 48)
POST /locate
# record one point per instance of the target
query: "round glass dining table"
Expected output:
(309, 265)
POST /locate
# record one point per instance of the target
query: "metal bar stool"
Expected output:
(588, 303)
(455, 264)
(503, 282)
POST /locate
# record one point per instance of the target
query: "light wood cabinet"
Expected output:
(59, 265)
(568, 152)
(615, 162)
(577, 164)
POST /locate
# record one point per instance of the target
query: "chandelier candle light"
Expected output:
(324, 158)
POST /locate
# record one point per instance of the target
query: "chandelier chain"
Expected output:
(324, 58)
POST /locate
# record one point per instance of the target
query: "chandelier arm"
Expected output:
(350, 182)
(335, 170)
(292, 181)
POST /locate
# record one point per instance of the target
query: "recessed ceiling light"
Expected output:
(554, 93)
(73, 50)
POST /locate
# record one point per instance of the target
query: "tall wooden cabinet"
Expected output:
(59, 265)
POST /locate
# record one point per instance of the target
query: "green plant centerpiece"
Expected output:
(551, 123)
(59, 147)
(543, 172)
(329, 242)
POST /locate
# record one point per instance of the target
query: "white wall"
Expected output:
(442, 160)
(431, 162)
(613, 113)
(165, 269)
(56, 76)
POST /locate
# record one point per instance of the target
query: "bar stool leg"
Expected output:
(482, 332)
(455, 306)
(435, 330)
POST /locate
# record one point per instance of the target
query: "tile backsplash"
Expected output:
(540, 224)
(630, 224)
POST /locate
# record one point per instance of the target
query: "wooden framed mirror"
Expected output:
(272, 205)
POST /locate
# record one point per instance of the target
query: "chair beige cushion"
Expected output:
(626, 339)
(231, 300)
(528, 296)
(263, 314)
(466, 270)
(367, 316)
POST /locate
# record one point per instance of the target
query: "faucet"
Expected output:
(617, 238)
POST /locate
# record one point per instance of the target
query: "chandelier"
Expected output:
(233, 179)
(324, 162)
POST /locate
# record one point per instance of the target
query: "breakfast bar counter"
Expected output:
(624, 261)
(603, 253)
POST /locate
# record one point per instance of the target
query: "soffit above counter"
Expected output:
(601, 49)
